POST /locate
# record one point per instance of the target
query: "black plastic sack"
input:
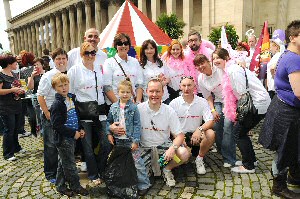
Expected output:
(120, 175)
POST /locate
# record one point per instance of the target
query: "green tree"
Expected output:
(171, 25)
(232, 37)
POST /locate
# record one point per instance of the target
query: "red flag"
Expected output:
(261, 53)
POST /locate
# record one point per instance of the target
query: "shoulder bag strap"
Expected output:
(121, 67)
(247, 86)
(96, 85)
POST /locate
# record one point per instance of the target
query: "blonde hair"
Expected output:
(59, 78)
(125, 83)
(84, 46)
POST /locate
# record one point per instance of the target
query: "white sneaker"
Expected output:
(22, 151)
(200, 166)
(240, 163)
(83, 167)
(227, 165)
(13, 158)
(241, 169)
(169, 178)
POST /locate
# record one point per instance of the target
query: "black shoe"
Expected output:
(67, 192)
(143, 191)
(81, 191)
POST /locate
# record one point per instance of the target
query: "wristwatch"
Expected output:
(175, 146)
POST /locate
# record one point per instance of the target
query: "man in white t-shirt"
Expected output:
(92, 36)
(191, 109)
(158, 122)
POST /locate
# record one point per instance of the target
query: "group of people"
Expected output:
(170, 106)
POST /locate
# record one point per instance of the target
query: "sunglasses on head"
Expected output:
(87, 53)
(125, 43)
(186, 77)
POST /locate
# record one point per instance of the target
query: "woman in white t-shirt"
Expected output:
(233, 87)
(210, 85)
(153, 68)
(174, 61)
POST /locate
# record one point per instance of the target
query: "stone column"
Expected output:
(37, 39)
(98, 18)
(155, 8)
(7, 12)
(30, 48)
(282, 14)
(205, 18)
(65, 30)
(25, 38)
(112, 10)
(16, 50)
(53, 32)
(88, 14)
(47, 41)
(22, 39)
(143, 6)
(18, 41)
(171, 7)
(33, 37)
(79, 24)
(72, 27)
(42, 23)
(58, 30)
(187, 15)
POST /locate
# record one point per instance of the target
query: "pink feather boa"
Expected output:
(230, 100)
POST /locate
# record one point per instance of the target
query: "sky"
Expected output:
(16, 7)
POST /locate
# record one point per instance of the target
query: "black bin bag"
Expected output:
(120, 175)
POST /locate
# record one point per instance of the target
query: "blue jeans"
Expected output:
(143, 179)
(50, 150)
(66, 171)
(95, 163)
(225, 136)
(11, 125)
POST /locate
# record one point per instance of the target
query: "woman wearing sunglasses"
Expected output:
(210, 85)
(153, 67)
(86, 82)
(121, 67)
(175, 62)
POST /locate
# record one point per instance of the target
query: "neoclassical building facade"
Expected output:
(61, 23)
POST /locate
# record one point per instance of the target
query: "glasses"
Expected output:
(192, 40)
(186, 77)
(153, 126)
(87, 53)
(125, 43)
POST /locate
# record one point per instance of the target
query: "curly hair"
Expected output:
(27, 59)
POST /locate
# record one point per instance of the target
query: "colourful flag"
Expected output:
(261, 55)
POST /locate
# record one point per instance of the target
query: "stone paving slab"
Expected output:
(24, 178)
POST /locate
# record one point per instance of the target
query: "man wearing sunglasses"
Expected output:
(92, 36)
(158, 122)
(191, 109)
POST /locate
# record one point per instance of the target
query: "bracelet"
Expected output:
(200, 128)
(213, 110)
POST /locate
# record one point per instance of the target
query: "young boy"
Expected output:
(124, 122)
(64, 122)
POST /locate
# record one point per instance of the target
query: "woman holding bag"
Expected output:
(233, 88)
(86, 82)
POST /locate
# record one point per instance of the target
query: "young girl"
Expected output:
(153, 67)
(124, 128)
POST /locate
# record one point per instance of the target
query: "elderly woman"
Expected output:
(233, 87)
(281, 128)
(10, 107)
(210, 85)
(120, 67)
(89, 89)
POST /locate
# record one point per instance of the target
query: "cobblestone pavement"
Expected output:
(24, 178)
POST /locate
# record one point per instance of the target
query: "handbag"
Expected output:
(246, 111)
(89, 110)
